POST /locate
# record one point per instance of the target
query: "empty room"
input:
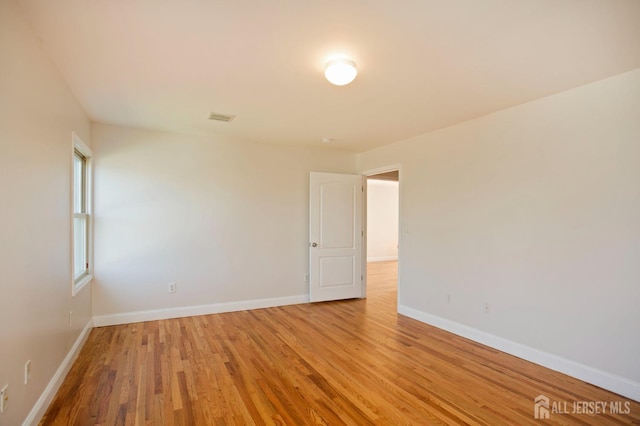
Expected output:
(303, 212)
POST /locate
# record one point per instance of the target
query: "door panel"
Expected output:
(337, 208)
(337, 271)
(335, 248)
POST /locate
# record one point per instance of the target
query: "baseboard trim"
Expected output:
(611, 382)
(381, 259)
(189, 311)
(38, 410)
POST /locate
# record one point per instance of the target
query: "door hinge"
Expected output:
(361, 277)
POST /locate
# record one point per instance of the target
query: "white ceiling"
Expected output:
(423, 64)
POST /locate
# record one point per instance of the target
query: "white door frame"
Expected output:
(366, 174)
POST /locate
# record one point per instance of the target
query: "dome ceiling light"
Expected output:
(340, 71)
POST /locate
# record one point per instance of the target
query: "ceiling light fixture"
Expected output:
(340, 71)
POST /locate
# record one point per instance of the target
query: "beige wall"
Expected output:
(37, 115)
(226, 220)
(382, 220)
(536, 211)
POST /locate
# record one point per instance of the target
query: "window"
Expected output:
(82, 247)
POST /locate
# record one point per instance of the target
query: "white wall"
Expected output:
(382, 220)
(37, 115)
(535, 210)
(226, 220)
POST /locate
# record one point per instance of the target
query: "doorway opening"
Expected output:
(383, 236)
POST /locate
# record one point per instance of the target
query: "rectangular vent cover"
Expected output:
(221, 117)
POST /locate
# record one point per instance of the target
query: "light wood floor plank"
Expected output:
(354, 362)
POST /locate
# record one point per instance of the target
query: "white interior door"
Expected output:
(335, 236)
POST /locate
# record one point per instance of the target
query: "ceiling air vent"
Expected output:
(221, 117)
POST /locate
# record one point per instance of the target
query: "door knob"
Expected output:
(314, 244)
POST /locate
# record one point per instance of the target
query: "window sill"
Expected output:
(81, 283)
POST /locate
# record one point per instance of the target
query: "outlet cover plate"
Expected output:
(4, 398)
(27, 372)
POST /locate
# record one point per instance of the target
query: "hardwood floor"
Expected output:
(351, 362)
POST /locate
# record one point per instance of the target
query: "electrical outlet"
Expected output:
(306, 278)
(172, 287)
(4, 399)
(486, 308)
(27, 372)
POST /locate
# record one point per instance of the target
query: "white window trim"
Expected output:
(79, 283)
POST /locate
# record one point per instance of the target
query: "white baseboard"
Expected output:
(189, 311)
(611, 382)
(382, 258)
(49, 392)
